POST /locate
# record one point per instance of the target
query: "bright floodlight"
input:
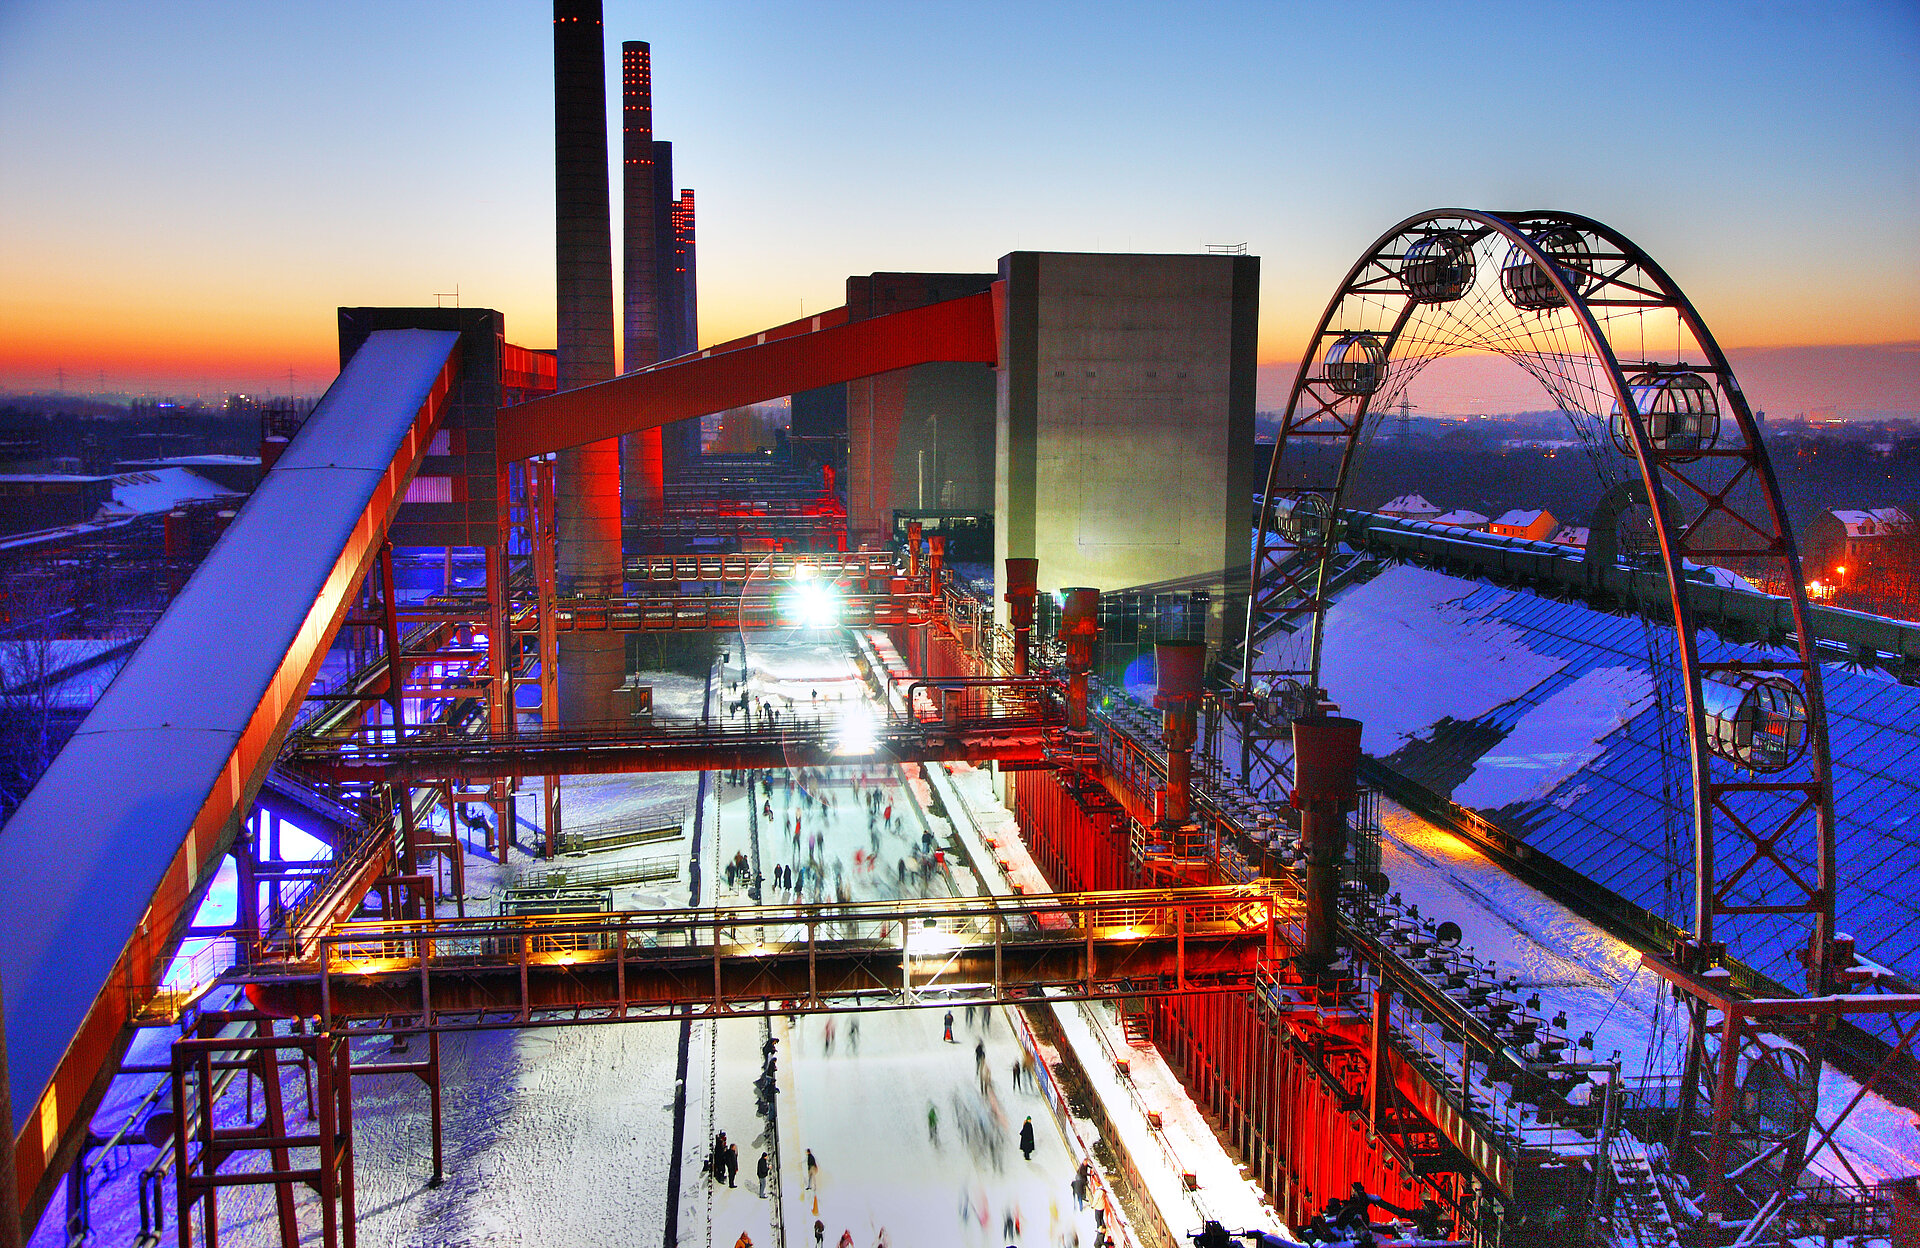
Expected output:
(814, 605)
(855, 735)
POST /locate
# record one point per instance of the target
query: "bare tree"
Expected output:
(32, 603)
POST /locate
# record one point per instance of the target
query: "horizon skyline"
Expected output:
(220, 282)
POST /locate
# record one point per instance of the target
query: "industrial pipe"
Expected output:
(1178, 667)
(1023, 576)
(1079, 633)
(936, 558)
(913, 550)
(1326, 760)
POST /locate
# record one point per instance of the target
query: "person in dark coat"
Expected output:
(1026, 1139)
(733, 1163)
(760, 1170)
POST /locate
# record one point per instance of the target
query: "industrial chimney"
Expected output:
(587, 479)
(643, 466)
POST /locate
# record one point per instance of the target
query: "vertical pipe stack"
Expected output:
(1178, 668)
(1326, 759)
(642, 462)
(587, 480)
(1079, 633)
(1023, 578)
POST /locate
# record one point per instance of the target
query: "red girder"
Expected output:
(956, 331)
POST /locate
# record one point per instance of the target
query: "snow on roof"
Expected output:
(1409, 505)
(1537, 711)
(188, 461)
(146, 492)
(1871, 522)
(1460, 518)
(1520, 519)
(1413, 614)
(85, 854)
(45, 478)
(1570, 535)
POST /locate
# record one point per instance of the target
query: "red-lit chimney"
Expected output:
(587, 480)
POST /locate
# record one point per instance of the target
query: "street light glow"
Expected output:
(812, 605)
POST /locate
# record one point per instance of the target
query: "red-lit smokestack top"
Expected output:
(1326, 759)
(1080, 614)
(1023, 579)
(1178, 671)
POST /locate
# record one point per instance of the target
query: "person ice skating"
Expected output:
(846, 1239)
(760, 1172)
(980, 1062)
(933, 1123)
(745, 1241)
(733, 1163)
(853, 1035)
(1080, 1178)
(819, 1233)
(813, 1168)
(948, 1037)
(1026, 1139)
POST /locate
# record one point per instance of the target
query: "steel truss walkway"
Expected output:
(465, 974)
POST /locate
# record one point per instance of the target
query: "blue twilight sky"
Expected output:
(187, 190)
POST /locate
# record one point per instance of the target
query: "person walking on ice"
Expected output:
(1026, 1139)
(933, 1123)
(813, 1168)
(948, 1037)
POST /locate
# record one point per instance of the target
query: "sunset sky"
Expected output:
(188, 190)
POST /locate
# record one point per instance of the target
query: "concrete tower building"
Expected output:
(587, 480)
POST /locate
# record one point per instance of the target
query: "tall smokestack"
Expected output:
(587, 479)
(643, 466)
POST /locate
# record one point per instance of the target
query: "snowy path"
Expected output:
(862, 1111)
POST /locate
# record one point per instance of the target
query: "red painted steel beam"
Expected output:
(1209, 961)
(957, 331)
(660, 753)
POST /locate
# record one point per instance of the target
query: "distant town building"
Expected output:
(45, 500)
(1409, 507)
(1535, 525)
(1847, 542)
(36, 502)
(1463, 519)
(1568, 535)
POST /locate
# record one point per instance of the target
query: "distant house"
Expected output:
(1463, 519)
(1568, 535)
(1409, 507)
(1535, 525)
(1846, 542)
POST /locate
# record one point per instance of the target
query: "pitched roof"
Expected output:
(1520, 519)
(1409, 505)
(1870, 522)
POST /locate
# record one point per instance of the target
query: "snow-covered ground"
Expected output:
(563, 1135)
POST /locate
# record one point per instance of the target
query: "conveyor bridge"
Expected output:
(462, 974)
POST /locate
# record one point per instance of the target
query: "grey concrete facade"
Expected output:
(1124, 413)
